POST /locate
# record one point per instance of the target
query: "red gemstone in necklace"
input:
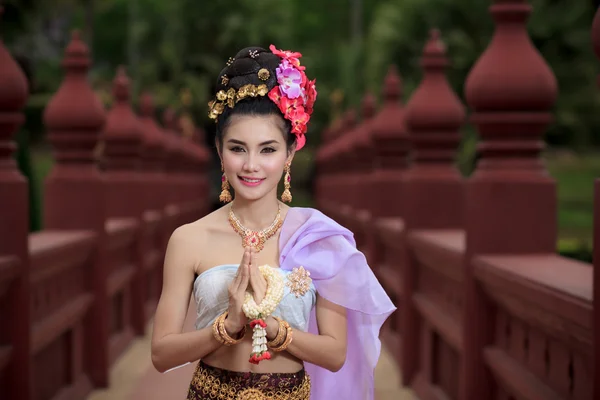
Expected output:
(255, 239)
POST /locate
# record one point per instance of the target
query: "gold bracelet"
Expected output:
(286, 342)
(281, 330)
(215, 329)
(221, 333)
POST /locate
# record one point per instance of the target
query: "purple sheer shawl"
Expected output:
(341, 275)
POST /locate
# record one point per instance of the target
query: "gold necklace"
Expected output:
(255, 239)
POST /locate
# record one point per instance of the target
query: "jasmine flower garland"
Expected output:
(258, 313)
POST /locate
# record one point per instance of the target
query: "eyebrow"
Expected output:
(244, 143)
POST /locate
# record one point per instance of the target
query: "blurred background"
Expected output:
(175, 49)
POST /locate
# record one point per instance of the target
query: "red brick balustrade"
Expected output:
(123, 141)
(432, 210)
(173, 154)
(486, 308)
(337, 159)
(74, 295)
(507, 335)
(391, 145)
(360, 168)
(74, 214)
(154, 154)
(15, 344)
(326, 164)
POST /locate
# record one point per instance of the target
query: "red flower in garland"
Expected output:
(260, 322)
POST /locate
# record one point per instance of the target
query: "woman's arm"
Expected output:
(170, 347)
(328, 348)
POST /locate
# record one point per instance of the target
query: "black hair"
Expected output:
(243, 70)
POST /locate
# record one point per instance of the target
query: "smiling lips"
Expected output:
(250, 181)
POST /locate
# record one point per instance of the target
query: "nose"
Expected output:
(251, 164)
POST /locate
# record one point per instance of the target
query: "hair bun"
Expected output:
(243, 70)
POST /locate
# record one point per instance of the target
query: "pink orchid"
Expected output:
(289, 79)
(295, 95)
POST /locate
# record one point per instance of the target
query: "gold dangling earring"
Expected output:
(286, 196)
(225, 196)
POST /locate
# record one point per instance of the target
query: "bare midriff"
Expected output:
(235, 358)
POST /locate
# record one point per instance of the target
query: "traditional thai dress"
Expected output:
(309, 241)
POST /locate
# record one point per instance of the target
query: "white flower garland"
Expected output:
(258, 313)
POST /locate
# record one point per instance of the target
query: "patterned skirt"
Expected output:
(220, 384)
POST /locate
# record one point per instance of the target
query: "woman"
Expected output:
(290, 275)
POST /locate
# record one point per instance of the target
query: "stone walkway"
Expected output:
(134, 378)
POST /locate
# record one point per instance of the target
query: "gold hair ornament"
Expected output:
(232, 96)
(263, 74)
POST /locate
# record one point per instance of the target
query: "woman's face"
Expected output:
(254, 154)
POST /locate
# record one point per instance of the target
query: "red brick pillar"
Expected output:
(326, 167)
(391, 146)
(432, 186)
(510, 198)
(188, 167)
(153, 155)
(15, 382)
(201, 189)
(174, 156)
(340, 157)
(363, 157)
(122, 138)
(363, 154)
(321, 167)
(335, 155)
(75, 191)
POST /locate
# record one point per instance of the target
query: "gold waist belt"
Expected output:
(214, 383)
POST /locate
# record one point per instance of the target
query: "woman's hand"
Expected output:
(257, 280)
(236, 319)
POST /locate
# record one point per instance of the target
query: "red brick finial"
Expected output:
(13, 96)
(122, 134)
(368, 106)
(511, 104)
(392, 86)
(74, 116)
(170, 120)
(153, 137)
(434, 113)
(389, 131)
(362, 146)
(349, 122)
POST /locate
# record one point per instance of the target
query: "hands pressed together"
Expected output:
(248, 277)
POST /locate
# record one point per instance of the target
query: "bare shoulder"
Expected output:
(190, 243)
(197, 231)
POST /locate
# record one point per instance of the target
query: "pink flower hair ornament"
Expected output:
(295, 95)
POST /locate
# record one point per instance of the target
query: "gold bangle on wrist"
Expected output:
(215, 330)
(221, 334)
(286, 342)
(281, 330)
